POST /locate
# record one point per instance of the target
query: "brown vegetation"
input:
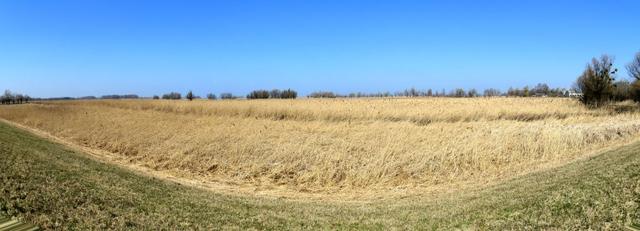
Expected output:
(337, 145)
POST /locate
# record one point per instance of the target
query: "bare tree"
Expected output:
(491, 92)
(288, 94)
(323, 94)
(7, 98)
(596, 82)
(634, 67)
(275, 94)
(541, 89)
(227, 96)
(458, 92)
(633, 70)
(472, 93)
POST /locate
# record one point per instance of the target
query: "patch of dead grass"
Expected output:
(336, 146)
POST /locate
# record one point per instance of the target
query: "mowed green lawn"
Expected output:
(55, 188)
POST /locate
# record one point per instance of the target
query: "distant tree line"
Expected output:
(59, 98)
(226, 96)
(129, 96)
(273, 94)
(323, 94)
(540, 90)
(191, 96)
(329, 94)
(596, 86)
(172, 95)
(87, 98)
(14, 98)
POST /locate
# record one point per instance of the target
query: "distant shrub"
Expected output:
(472, 93)
(557, 92)
(526, 92)
(288, 94)
(211, 96)
(129, 96)
(258, 94)
(156, 97)
(458, 92)
(189, 96)
(172, 96)
(227, 96)
(369, 95)
(411, 92)
(273, 94)
(491, 92)
(541, 89)
(322, 94)
(88, 98)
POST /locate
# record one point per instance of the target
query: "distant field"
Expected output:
(338, 147)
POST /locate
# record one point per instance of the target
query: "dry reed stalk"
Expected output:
(325, 145)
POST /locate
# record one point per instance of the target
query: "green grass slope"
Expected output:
(55, 188)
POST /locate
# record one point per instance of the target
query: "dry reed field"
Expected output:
(330, 146)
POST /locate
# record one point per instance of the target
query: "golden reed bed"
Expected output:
(336, 145)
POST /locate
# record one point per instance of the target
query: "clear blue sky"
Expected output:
(89, 47)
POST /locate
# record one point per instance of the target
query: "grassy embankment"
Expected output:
(56, 188)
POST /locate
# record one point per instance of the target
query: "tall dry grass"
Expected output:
(420, 111)
(328, 145)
